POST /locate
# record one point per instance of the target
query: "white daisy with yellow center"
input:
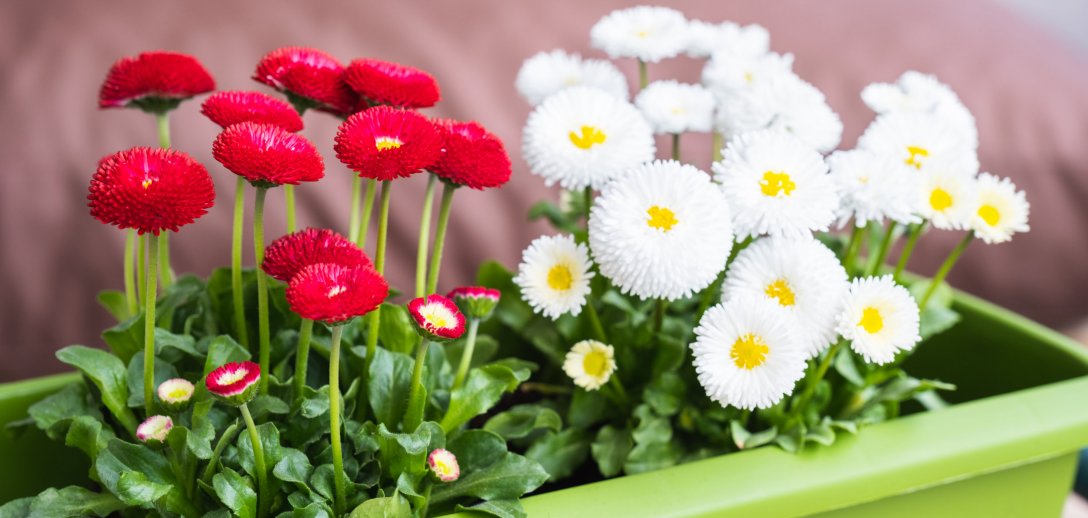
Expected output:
(583, 137)
(946, 199)
(554, 275)
(549, 72)
(999, 210)
(782, 102)
(922, 141)
(916, 92)
(879, 318)
(663, 231)
(746, 353)
(728, 72)
(776, 185)
(590, 364)
(705, 39)
(673, 107)
(646, 33)
(873, 187)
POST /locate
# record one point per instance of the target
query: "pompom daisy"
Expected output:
(154, 429)
(234, 383)
(879, 318)
(175, 393)
(384, 143)
(393, 84)
(663, 231)
(554, 275)
(1000, 209)
(475, 301)
(728, 73)
(268, 155)
(946, 199)
(155, 82)
(873, 187)
(333, 293)
(150, 190)
(590, 364)
(706, 39)
(549, 72)
(436, 318)
(582, 137)
(309, 77)
(801, 275)
(444, 465)
(229, 108)
(293, 252)
(922, 141)
(782, 102)
(672, 107)
(646, 33)
(471, 156)
(921, 93)
(776, 185)
(746, 353)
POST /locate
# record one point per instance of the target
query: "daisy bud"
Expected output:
(309, 77)
(289, 254)
(472, 156)
(385, 143)
(154, 82)
(230, 108)
(382, 82)
(590, 364)
(234, 383)
(436, 318)
(444, 465)
(154, 429)
(333, 293)
(268, 155)
(175, 393)
(475, 301)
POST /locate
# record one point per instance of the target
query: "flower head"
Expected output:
(554, 275)
(289, 254)
(729, 73)
(946, 199)
(309, 77)
(175, 393)
(746, 353)
(384, 143)
(436, 318)
(150, 190)
(923, 141)
(999, 209)
(590, 364)
(663, 231)
(154, 429)
(647, 33)
(393, 84)
(672, 107)
(706, 39)
(229, 108)
(444, 465)
(234, 383)
(873, 187)
(582, 137)
(475, 301)
(786, 103)
(268, 155)
(471, 156)
(549, 72)
(916, 92)
(879, 318)
(154, 81)
(334, 293)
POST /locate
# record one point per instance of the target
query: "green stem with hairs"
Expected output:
(660, 305)
(224, 441)
(237, 290)
(587, 198)
(676, 146)
(885, 244)
(852, 249)
(356, 195)
(643, 75)
(141, 267)
(289, 201)
(595, 322)
(915, 232)
(150, 278)
(368, 209)
(263, 495)
(265, 351)
(466, 355)
(424, 236)
(414, 415)
(132, 304)
(718, 142)
(814, 380)
(946, 267)
(375, 317)
(302, 355)
(440, 236)
(334, 421)
(162, 121)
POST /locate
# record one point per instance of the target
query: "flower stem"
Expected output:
(428, 484)
(141, 267)
(289, 201)
(131, 303)
(150, 276)
(258, 463)
(718, 142)
(414, 415)
(643, 75)
(162, 122)
(224, 441)
(368, 209)
(595, 322)
(946, 267)
(375, 317)
(852, 249)
(587, 198)
(814, 379)
(302, 355)
(621, 394)
(659, 316)
(334, 420)
(912, 239)
(466, 355)
(237, 293)
(676, 146)
(265, 353)
(440, 236)
(424, 236)
(356, 195)
(878, 260)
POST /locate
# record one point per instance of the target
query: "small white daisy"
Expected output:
(590, 364)
(879, 318)
(946, 199)
(873, 187)
(746, 353)
(549, 72)
(582, 137)
(728, 73)
(672, 107)
(705, 39)
(554, 275)
(783, 102)
(999, 210)
(921, 93)
(663, 231)
(776, 185)
(922, 141)
(801, 275)
(646, 33)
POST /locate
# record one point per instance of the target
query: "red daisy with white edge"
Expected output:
(437, 318)
(154, 429)
(268, 155)
(334, 293)
(234, 383)
(230, 108)
(471, 156)
(154, 81)
(310, 78)
(393, 84)
(384, 143)
(289, 254)
(444, 465)
(475, 301)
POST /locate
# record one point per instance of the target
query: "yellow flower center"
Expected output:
(661, 218)
(915, 153)
(437, 316)
(595, 363)
(147, 182)
(589, 137)
(749, 351)
(443, 468)
(178, 393)
(749, 77)
(776, 184)
(642, 34)
(384, 143)
(232, 377)
(560, 278)
(780, 290)
(989, 214)
(940, 200)
(871, 320)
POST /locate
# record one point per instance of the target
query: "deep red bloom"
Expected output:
(293, 252)
(268, 155)
(229, 108)
(384, 143)
(308, 76)
(150, 190)
(473, 156)
(436, 318)
(234, 382)
(154, 81)
(383, 82)
(333, 293)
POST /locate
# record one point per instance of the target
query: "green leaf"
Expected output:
(499, 508)
(126, 339)
(107, 373)
(270, 444)
(389, 385)
(482, 389)
(313, 510)
(55, 413)
(942, 296)
(264, 405)
(485, 350)
(652, 456)
(407, 453)
(184, 344)
(72, 501)
(395, 330)
(936, 319)
(792, 440)
(18, 508)
(611, 448)
(315, 403)
(587, 408)
(119, 457)
(199, 440)
(666, 394)
(510, 477)
(134, 488)
(651, 427)
(294, 467)
(223, 349)
(847, 368)
(821, 433)
(235, 492)
(88, 434)
(384, 507)
(521, 420)
(477, 449)
(560, 453)
(114, 302)
(135, 378)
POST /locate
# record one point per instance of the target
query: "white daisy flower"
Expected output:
(746, 353)
(999, 210)
(672, 107)
(801, 275)
(879, 318)
(783, 102)
(873, 187)
(776, 185)
(663, 231)
(922, 141)
(554, 275)
(646, 33)
(921, 93)
(590, 364)
(730, 72)
(705, 39)
(946, 199)
(582, 137)
(549, 72)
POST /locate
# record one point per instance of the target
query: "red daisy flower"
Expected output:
(154, 81)
(229, 108)
(475, 301)
(150, 190)
(383, 82)
(234, 383)
(309, 77)
(472, 156)
(268, 155)
(436, 318)
(333, 293)
(293, 252)
(385, 143)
